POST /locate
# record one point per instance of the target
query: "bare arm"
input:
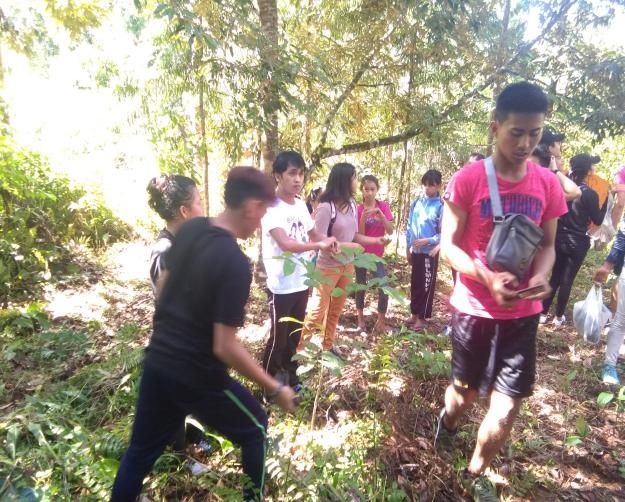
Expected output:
(287, 243)
(617, 210)
(365, 240)
(361, 222)
(569, 187)
(388, 225)
(454, 222)
(544, 259)
(229, 350)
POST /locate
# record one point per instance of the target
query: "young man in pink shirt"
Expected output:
(493, 332)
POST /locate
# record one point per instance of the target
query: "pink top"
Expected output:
(374, 227)
(538, 195)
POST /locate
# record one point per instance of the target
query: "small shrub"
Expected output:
(41, 215)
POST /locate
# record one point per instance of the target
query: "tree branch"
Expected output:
(362, 68)
(411, 132)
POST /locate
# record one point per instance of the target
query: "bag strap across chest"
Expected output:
(493, 189)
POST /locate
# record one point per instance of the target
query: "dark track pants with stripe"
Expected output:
(422, 284)
(285, 336)
(164, 403)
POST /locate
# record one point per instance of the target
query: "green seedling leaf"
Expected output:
(395, 294)
(305, 368)
(290, 319)
(571, 376)
(336, 292)
(13, 434)
(332, 362)
(35, 430)
(573, 441)
(289, 267)
(582, 427)
(604, 398)
(354, 287)
(313, 347)
(621, 394)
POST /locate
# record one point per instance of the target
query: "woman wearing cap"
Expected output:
(572, 240)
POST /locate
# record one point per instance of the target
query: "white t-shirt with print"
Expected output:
(296, 222)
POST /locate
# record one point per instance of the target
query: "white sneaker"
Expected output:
(542, 319)
(558, 321)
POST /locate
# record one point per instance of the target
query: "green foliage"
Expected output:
(41, 217)
(65, 442)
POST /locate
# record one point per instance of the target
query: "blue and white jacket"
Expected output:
(424, 222)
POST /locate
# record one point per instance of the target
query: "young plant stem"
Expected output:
(285, 486)
(316, 403)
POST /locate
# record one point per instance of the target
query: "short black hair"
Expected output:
(541, 152)
(520, 97)
(432, 177)
(286, 159)
(168, 192)
(370, 178)
(245, 182)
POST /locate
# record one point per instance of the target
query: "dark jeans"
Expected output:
(162, 405)
(422, 284)
(361, 278)
(285, 336)
(570, 255)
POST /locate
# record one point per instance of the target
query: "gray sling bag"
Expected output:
(515, 239)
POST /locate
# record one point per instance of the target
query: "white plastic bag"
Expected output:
(606, 231)
(591, 315)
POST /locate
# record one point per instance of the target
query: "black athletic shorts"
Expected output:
(491, 354)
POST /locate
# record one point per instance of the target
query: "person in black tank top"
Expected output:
(201, 305)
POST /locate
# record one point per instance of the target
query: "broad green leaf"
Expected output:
(605, 398)
(288, 267)
(332, 362)
(13, 434)
(573, 441)
(36, 431)
(305, 368)
(336, 292)
(582, 427)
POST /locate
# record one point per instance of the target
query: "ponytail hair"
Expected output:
(167, 193)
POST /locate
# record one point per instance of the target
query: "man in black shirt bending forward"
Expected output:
(194, 342)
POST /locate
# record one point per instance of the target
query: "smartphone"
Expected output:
(527, 292)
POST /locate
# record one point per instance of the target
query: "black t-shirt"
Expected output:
(209, 281)
(582, 211)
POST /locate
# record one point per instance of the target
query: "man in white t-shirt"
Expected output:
(288, 227)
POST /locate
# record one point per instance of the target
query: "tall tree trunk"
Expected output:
(501, 57)
(400, 205)
(401, 209)
(268, 11)
(203, 150)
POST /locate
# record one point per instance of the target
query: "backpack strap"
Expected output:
(332, 218)
(495, 201)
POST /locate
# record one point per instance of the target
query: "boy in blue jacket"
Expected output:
(423, 235)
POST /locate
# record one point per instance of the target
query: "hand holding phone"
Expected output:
(521, 294)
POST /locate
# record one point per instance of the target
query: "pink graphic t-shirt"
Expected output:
(374, 227)
(538, 195)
